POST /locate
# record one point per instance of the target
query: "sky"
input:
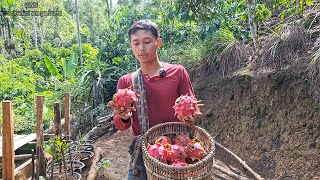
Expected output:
(114, 2)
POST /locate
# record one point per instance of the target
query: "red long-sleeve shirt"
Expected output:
(161, 96)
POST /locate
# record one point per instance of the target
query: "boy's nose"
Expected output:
(142, 49)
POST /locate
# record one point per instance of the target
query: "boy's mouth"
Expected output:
(142, 55)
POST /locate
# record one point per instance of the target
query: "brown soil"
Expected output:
(115, 149)
(271, 121)
(57, 175)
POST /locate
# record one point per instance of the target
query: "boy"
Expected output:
(163, 83)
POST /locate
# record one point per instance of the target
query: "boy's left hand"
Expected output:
(187, 119)
(122, 112)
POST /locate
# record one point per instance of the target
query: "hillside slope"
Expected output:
(271, 119)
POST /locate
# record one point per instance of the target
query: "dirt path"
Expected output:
(115, 149)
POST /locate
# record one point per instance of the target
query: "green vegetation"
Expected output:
(40, 54)
(57, 147)
(103, 163)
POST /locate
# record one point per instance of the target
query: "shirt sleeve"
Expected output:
(185, 87)
(120, 125)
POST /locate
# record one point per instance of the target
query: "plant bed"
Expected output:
(82, 156)
(82, 147)
(84, 142)
(77, 166)
(69, 176)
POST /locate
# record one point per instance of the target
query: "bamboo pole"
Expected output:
(41, 162)
(21, 157)
(57, 118)
(67, 115)
(24, 171)
(229, 173)
(243, 163)
(96, 158)
(7, 142)
(32, 162)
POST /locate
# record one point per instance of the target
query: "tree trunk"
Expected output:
(92, 29)
(8, 48)
(9, 29)
(108, 7)
(55, 33)
(110, 10)
(253, 27)
(298, 13)
(297, 7)
(254, 21)
(35, 36)
(2, 34)
(41, 32)
(78, 31)
(172, 27)
(96, 100)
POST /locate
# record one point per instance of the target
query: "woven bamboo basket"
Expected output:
(160, 171)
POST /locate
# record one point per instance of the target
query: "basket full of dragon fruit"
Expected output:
(179, 150)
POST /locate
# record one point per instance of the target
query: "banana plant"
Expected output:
(68, 67)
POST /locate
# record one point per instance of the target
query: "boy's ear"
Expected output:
(159, 42)
(130, 46)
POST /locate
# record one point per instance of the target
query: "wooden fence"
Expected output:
(36, 165)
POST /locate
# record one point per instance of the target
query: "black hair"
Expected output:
(144, 24)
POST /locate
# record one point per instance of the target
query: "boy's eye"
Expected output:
(148, 42)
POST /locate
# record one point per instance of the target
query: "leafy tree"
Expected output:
(89, 53)
(13, 28)
(289, 7)
(18, 84)
(93, 16)
(34, 60)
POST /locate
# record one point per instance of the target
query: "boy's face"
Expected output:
(144, 46)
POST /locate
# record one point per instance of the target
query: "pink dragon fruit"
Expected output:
(124, 99)
(187, 108)
(195, 150)
(163, 140)
(178, 153)
(182, 139)
(153, 150)
(166, 153)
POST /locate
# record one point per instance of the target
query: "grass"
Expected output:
(225, 53)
